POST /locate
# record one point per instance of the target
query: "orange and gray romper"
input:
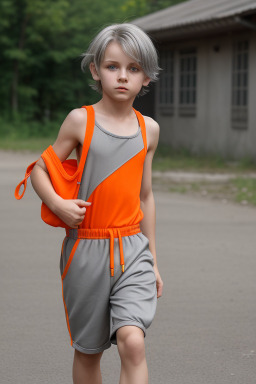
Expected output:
(106, 266)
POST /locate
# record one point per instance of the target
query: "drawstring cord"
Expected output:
(121, 250)
(106, 233)
(111, 250)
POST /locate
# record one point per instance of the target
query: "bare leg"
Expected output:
(131, 348)
(86, 368)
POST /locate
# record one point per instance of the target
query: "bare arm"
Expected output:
(148, 222)
(71, 134)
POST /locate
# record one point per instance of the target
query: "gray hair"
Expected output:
(134, 42)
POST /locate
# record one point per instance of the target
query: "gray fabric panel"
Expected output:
(99, 304)
(133, 299)
(107, 153)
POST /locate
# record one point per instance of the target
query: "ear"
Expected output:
(146, 81)
(94, 72)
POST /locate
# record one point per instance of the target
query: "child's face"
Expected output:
(119, 70)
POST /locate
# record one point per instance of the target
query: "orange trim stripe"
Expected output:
(88, 137)
(143, 129)
(66, 312)
(63, 245)
(70, 259)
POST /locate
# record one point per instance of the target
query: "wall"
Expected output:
(210, 130)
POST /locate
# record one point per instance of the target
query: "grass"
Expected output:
(246, 190)
(31, 145)
(33, 136)
(168, 159)
(241, 190)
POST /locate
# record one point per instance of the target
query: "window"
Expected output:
(166, 82)
(188, 79)
(240, 65)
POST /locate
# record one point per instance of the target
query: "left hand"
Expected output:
(159, 282)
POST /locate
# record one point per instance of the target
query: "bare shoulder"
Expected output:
(76, 119)
(153, 130)
(71, 134)
(74, 124)
(77, 116)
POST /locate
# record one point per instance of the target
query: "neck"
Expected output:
(116, 109)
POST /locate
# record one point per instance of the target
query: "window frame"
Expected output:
(166, 95)
(240, 83)
(188, 65)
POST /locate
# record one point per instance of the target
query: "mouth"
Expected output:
(122, 88)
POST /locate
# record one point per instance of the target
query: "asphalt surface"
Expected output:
(204, 331)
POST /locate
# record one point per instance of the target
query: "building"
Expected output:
(205, 100)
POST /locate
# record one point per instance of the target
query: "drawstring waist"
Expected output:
(106, 233)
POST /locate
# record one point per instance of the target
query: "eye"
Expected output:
(111, 66)
(134, 69)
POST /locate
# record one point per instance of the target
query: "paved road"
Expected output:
(204, 331)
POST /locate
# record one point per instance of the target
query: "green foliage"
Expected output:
(40, 43)
(17, 130)
(139, 8)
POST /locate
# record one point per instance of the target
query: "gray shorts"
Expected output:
(96, 303)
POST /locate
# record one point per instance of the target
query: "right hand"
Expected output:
(72, 212)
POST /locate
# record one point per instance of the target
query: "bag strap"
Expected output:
(87, 139)
(143, 129)
(86, 145)
(17, 194)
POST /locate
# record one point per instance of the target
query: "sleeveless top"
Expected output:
(112, 177)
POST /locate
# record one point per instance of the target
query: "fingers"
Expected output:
(160, 289)
(80, 217)
(78, 212)
(82, 211)
(76, 226)
(159, 292)
(82, 203)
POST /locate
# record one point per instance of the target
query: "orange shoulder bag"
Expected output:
(65, 176)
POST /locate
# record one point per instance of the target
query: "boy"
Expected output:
(114, 215)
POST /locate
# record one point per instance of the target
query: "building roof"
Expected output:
(197, 15)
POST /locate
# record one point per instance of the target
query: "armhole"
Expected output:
(143, 129)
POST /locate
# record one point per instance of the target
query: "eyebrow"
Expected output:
(117, 62)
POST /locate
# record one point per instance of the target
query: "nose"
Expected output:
(122, 75)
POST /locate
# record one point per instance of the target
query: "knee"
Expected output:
(87, 360)
(131, 345)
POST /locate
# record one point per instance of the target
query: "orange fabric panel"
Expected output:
(70, 259)
(110, 207)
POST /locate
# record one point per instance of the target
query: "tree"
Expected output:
(139, 8)
(41, 42)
